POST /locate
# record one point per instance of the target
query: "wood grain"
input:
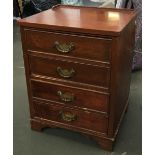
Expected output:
(81, 19)
(102, 59)
(44, 41)
(84, 119)
(99, 76)
(84, 99)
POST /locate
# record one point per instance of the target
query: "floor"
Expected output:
(63, 142)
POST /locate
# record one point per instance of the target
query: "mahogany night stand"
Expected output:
(78, 69)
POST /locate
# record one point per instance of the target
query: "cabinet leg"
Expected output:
(105, 144)
(38, 126)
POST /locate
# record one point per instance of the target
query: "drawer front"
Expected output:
(71, 45)
(71, 117)
(70, 71)
(70, 96)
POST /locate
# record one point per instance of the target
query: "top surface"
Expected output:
(73, 18)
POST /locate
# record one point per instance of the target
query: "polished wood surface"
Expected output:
(121, 75)
(44, 41)
(80, 19)
(82, 99)
(78, 71)
(83, 119)
(99, 76)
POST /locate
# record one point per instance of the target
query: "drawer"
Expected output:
(78, 46)
(71, 117)
(70, 71)
(70, 96)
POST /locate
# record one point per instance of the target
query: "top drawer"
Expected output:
(85, 47)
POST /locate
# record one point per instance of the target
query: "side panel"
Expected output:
(27, 71)
(121, 60)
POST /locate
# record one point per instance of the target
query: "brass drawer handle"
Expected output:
(68, 116)
(64, 48)
(66, 97)
(65, 73)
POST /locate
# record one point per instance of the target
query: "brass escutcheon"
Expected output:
(65, 73)
(64, 48)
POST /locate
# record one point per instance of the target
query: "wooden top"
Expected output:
(81, 19)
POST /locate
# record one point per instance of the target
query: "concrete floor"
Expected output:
(63, 142)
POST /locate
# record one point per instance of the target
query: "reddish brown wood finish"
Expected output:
(44, 41)
(82, 99)
(81, 19)
(102, 59)
(99, 76)
(37, 125)
(104, 143)
(120, 76)
(84, 119)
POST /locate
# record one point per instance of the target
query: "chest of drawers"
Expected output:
(78, 68)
